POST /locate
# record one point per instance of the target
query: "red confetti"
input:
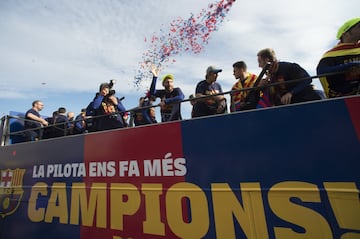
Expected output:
(189, 35)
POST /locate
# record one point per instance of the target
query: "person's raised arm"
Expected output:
(155, 72)
(99, 98)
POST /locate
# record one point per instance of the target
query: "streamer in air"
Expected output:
(190, 35)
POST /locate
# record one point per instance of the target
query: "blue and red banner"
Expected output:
(285, 172)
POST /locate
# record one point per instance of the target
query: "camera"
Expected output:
(111, 91)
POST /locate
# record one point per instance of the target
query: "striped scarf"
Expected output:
(239, 97)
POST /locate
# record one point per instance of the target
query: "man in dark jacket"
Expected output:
(285, 72)
(107, 109)
(170, 96)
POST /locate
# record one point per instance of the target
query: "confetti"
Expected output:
(190, 35)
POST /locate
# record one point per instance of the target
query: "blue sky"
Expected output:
(59, 51)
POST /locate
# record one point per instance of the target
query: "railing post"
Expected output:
(5, 131)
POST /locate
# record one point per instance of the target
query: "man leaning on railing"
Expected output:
(34, 121)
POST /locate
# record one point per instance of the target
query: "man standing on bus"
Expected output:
(34, 121)
(343, 61)
(107, 109)
(170, 96)
(211, 101)
(284, 74)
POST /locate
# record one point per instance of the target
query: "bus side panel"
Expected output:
(130, 155)
(30, 158)
(286, 172)
(301, 146)
(353, 105)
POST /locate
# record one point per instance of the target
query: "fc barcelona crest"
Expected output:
(11, 190)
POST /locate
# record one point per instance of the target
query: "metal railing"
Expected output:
(6, 133)
(5, 121)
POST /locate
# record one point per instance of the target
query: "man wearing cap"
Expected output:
(207, 104)
(145, 114)
(107, 109)
(342, 62)
(170, 97)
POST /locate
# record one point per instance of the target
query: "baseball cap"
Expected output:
(168, 76)
(347, 26)
(213, 69)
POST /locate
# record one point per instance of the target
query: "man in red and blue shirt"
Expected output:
(342, 62)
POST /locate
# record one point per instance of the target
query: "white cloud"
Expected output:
(72, 46)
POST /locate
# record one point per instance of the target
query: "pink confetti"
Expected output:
(189, 35)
